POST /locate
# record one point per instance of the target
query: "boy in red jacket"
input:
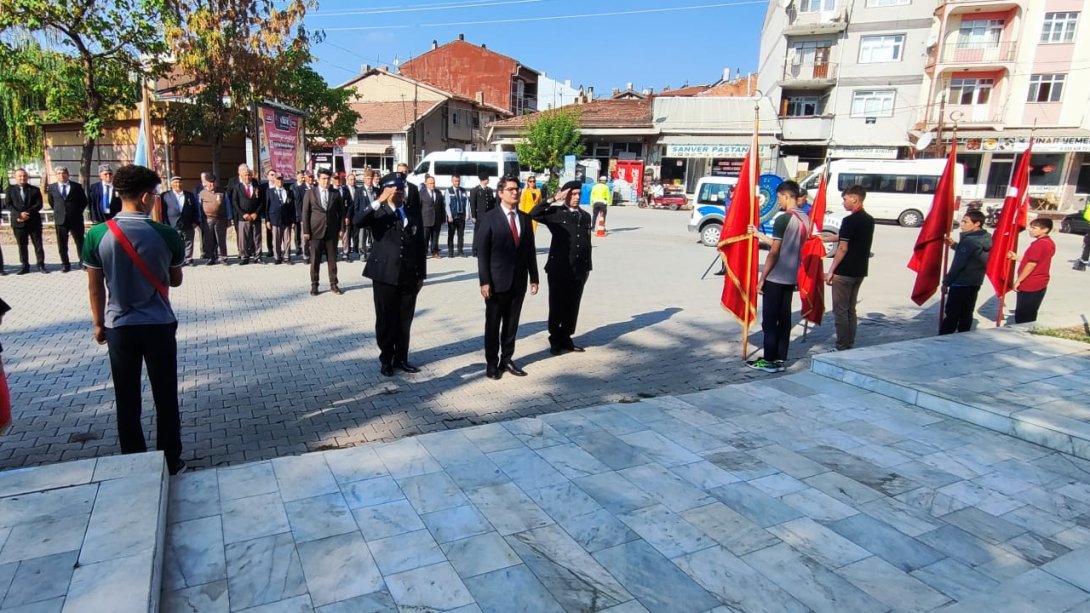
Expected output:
(1033, 277)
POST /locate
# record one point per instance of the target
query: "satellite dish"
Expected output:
(924, 141)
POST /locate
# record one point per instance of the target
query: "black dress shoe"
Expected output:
(387, 371)
(409, 368)
(336, 290)
(576, 348)
(66, 268)
(494, 373)
(244, 262)
(314, 291)
(556, 350)
(23, 271)
(42, 269)
(514, 370)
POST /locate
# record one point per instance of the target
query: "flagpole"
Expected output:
(752, 179)
(1010, 232)
(946, 235)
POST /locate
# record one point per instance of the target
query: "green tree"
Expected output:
(236, 53)
(23, 95)
(549, 136)
(101, 45)
(329, 114)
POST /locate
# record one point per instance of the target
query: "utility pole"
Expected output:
(942, 115)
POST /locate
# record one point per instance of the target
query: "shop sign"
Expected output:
(727, 167)
(1041, 144)
(868, 153)
(706, 151)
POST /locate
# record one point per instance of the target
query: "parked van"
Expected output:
(897, 190)
(467, 164)
(709, 200)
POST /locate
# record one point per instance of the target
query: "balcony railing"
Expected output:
(809, 71)
(816, 21)
(978, 53)
(817, 127)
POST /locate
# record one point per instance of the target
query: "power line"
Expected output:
(425, 7)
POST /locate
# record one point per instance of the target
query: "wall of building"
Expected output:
(381, 87)
(465, 69)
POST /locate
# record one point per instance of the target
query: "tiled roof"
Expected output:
(389, 117)
(692, 90)
(605, 113)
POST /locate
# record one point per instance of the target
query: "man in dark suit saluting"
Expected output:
(568, 265)
(25, 203)
(68, 201)
(397, 268)
(506, 255)
(323, 212)
(101, 197)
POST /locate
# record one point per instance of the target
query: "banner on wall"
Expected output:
(281, 141)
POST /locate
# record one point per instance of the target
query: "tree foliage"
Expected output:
(23, 96)
(101, 45)
(549, 136)
(329, 115)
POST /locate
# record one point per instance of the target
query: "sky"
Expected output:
(601, 43)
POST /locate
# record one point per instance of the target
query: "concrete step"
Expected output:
(1034, 388)
(84, 536)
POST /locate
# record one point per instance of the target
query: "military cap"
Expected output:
(393, 179)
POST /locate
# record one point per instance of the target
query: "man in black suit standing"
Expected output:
(179, 210)
(342, 190)
(68, 201)
(303, 180)
(506, 255)
(481, 200)
(366, 197)
(568, 265)
(433, 209)
(323, 212)
(397, 268)
(245, 195)
(279, 217)
(101, 197)
(25, 203)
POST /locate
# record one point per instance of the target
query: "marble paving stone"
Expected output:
(39, 506)
(570, 422)
(480, 554)
(891, 586)
(1072, 568)
(128, 465)
(477, 473)
(983, 525)
(900, 550)
(508, 509)
(954, 579)
(512, 590)
(39, 579)
(812, 539)
(965, 547)
(610, 450)
(598, 530)
(247, 480)
(563, 501)
(450, 448)
(729, 529)
(789, 462)
(195, 549)
(741, 464)
(45, 536)
(754, 504)
(383, 520)
(925, 474)
(572, 461)
(1045, 591)
(355, 464)
(908, 519)
(407, 458)
(263, 570)
(405, 552)
(634, 606)
(615, 493)
(670, 490)
(432, 492)
(809, 582)
(567, 571)
(985, 499)
(492, 437)
(818, 505)
(319, 517)
(111, 586)
(457, 523)
(535, 433)
(298, 604)
(375, 602)
(1035, 549)
(337, 568)
(859, 469)
(704, 474)
(1035, 520)
(931, 502)
(55, 605)
(49, 477)
(666, 531)
(612, 420)
(736, 583)
(194, 495)
(304, 476)
(658, 584)
(125, 519)
(842, 488)
(778, 485)
(371, 492)
(207, 598)
(526, 468)
(660, 449)
(7, 573)
(253, 517)
(436, 586)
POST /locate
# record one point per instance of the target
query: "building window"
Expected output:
(873, 103)
(882, 48)
(970, 91)
(979, 33)
(881, 3)
(1059, 27)
(816, 6)
(1046, 87)
(802, 106)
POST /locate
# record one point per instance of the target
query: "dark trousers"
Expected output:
(249, 239)
(776, 319)
(501, 325)
(155, 345)
(189, 235)
(268, 242)
(327, 247)
(203, 225)
(1085, 247)
(75, 230)
(1027, 305)
(215, 239)
(596, 210)
(363, 244)
(33, 234)
(432, 238)
(395, 307)
(845, 297)
(298, 233)
(960, 304)
(565, 295)
(457, 226)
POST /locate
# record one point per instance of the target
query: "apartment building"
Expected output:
(1003, 71)
(845, 76)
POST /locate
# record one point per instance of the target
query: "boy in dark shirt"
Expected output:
(849, 266)
(966, 273)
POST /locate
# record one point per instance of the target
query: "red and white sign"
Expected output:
(281, 141)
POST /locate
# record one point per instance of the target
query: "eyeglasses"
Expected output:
(510, 189)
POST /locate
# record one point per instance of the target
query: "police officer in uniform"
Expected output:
(569, 263)
(397, 267)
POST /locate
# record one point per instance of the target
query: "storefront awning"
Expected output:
(373, 148)
(1013, 141)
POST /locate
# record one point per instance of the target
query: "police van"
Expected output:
(467, 164)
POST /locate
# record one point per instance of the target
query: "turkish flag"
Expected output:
(811, 267)
(1012, 220)
(738, 247)
(927, 255)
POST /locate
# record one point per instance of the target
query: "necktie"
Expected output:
(106, 199)
(401, 215)
(325, 195)
(514, 228)
(249, 193)
(64, 190)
